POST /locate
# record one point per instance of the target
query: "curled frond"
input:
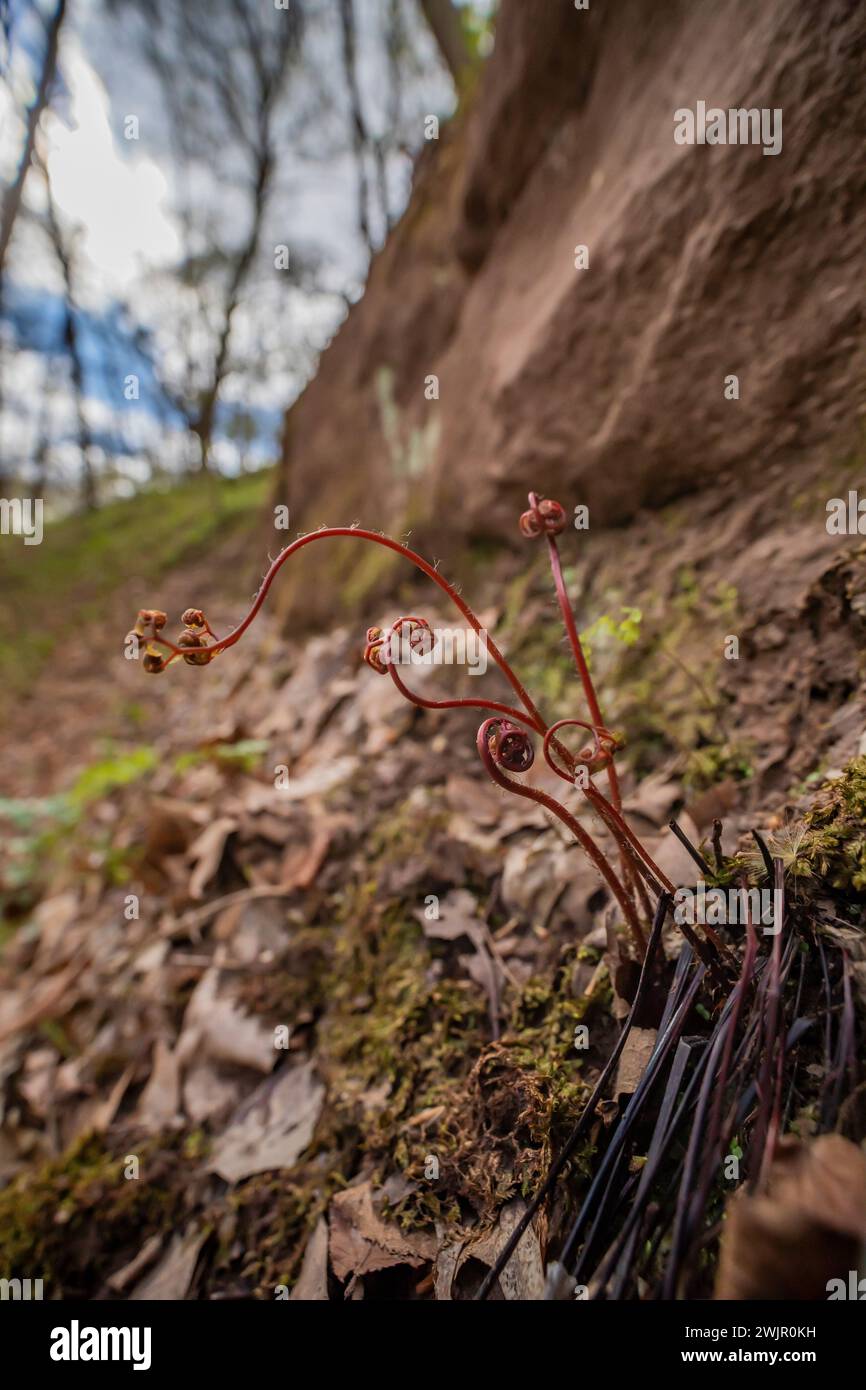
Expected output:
(544, 517)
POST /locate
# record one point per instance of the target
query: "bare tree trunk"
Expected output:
(203, 425)
(12, 201)
(252, 113)
(43, 440)
(359, 128)
(446, 28)
(73, 347)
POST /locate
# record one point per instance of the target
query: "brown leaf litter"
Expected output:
(807, 1227)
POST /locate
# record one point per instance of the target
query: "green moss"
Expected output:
(431, 1044)
(298, 988)
(47, 830)
(273, 1218)
(833, 845)
(624, 629)
(77, 1218)
(712, 763)
(541, 1034)
(651, 685)
(84, 559)
(365, 573)
(404, 1041)
(386, 1021)
(245, 754)
(534, 645)
(833, 481)
(824, 853)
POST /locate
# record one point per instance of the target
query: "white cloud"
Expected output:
(121, 204)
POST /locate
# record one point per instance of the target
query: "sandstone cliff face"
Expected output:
(606, 385)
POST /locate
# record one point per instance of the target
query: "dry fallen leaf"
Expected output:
(636, 1052)
(122, 1278)
(321, 778)
(361, 1241)
(52, 918)
(215, 1027)
(523, 1276)
(301, 863)
(457, 917)
(672, 857)
(171, 1278)
(159, 1103)
(206, 853)
(207, 1093)
(543, 876)
(272, 1128)
(653, 799)
(312, 1284)
(469, 796)
(38, 1078)
(51, 997)
(717, 801)
(807, 1227)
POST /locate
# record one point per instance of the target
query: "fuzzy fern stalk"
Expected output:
(505, 737)
(737, 1089)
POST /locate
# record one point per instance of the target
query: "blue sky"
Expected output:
(119, 202)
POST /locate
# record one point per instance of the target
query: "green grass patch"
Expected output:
(46, 590)
(35, 830)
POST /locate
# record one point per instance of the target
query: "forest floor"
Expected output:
(289, 991)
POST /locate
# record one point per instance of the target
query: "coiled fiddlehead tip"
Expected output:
(544, 517)
(384, 648)
(149, 622)
(510, 747)
(592, 756)
(200, 656)
(373, 657)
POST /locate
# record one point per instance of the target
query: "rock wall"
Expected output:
(606, 385)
